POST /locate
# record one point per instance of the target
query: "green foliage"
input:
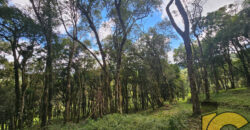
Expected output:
(147, 120)
(7, 95)
(150, 85)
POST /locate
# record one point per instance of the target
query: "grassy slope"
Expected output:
(237, 100)
(171, 117)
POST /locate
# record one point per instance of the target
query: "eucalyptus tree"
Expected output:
(7, 91)
(46, 15)
(16, 25)
(90, 11)
(219, 25)
(195, 16)
(186, 38)
(156, 46)
(69, 17)
(125, 14)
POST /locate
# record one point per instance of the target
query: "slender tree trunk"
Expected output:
(216, 79)
(68, 88)
(125, 95)
(142, 97)
(118, 84)
(17, 88)
(204, 66)
(47, 94)
(22, 100)
(225, 77)
(107, 92)
(49, 62)
(134, 87)
(198, 73)
(230, 68)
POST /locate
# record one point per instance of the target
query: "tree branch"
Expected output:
(172, 19)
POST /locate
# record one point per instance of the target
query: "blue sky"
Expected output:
(155, 18)
(150, 21)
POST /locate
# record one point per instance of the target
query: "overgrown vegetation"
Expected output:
(94, 64)
(178, 116)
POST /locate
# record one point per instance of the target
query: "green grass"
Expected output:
(234, 97)
(235, 100)
(164, 118)
(172, 117)
(160, 119)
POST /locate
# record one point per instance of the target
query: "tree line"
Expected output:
(72, 77)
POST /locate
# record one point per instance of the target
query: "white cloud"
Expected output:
(213, 5)
(20, 3)
(209, 6)
(9, 57)
(25, 4)
(106, 29)
(171, 57)
(61, 30)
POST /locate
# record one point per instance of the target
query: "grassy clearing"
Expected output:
(169, 117)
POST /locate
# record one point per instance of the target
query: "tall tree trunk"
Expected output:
(125, 95)
(225, 77)
(68, 88)
(119, 49)
(17, 88)
(107, 92)
(142, 96)
(134, 87)
(118, 84)
(204, 66)
(194, 94)
(46, 106)
(22, 100)
(198, 73)
(185, 36)
(47, 94)
(230, 68)
(216, 79)
(104, 67)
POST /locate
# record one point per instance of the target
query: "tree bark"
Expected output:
(216, 79)
(119, 50)
(230, 68)
(118, 86)
(104, 67)
(204, 66)
(68, 88)
(46, 106)
(185, 36)
(22, 100)
(17, 87)
(134, 87)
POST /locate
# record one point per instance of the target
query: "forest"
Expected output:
(119, 64)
